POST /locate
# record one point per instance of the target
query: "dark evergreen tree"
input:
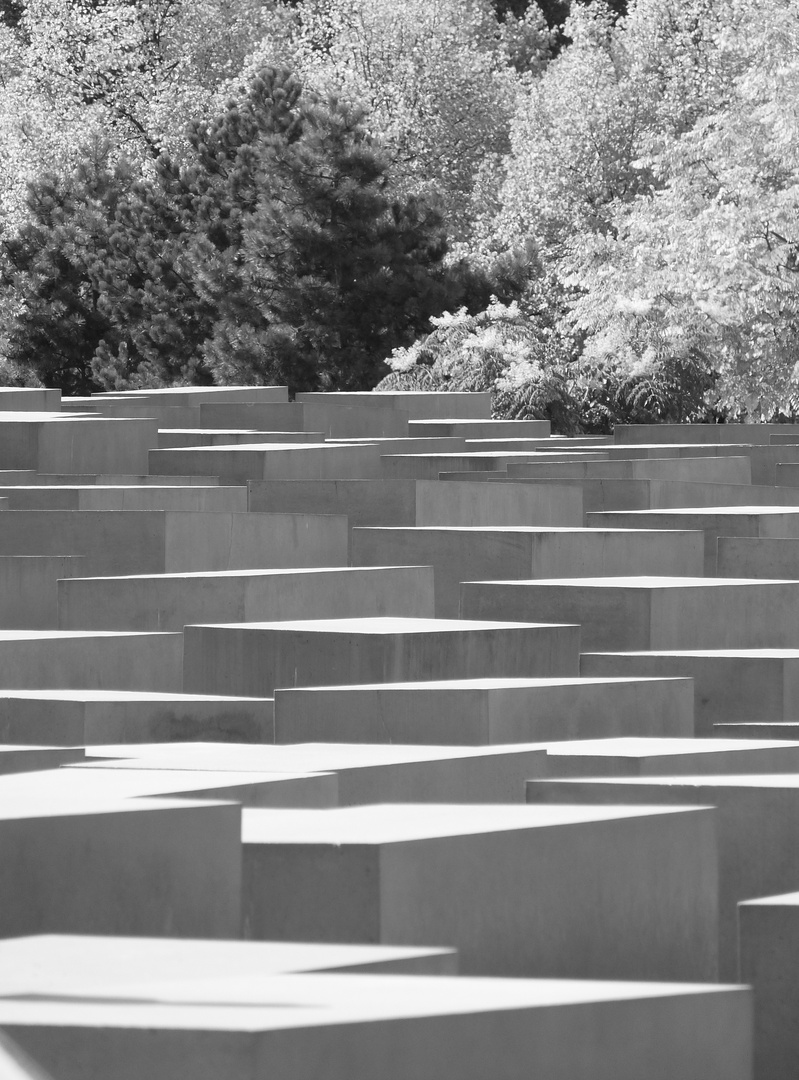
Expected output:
(277, 254)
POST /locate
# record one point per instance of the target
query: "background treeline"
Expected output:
(591, 210)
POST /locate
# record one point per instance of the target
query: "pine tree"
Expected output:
(277, 253)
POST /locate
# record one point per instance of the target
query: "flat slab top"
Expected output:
(728, 654)
(70, 964)
(789, 900)
(74, 635)
(642, 582)
(260, 447)
(456, 686)
(292, 757)
(132, 696)
(782, 781)
(378, 626)
(502, 530)
(137, 488)
(17, 804)
(655, 747)
(707, 511)
(245, 575)
(275, 1002)
(401, 822)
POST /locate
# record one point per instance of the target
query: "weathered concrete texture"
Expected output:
(756, 824)
(418, 404)
(364, 502)
(762, 521)
(112, 866)
(572, 892)
(272, 461)
(460, 554)
(49, 443)
(126, 497)
(669, 757)
(465, 504)
(475, 712)
(347, 774)
(768, 936)
(165, 541)
(28, 589)
(255, 658)
(393, 1027)
(89, 717)
(172, 601)
(59, 659)
(744, 556)
(731, 685)
(656, 613)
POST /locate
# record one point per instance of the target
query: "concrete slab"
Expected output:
(166, 541)
(461, 503)
(361, 774)
(764, 459)
(670, 757)
(126, 497)
(658, 613)
(763, 521)
(731, 685)
(106, 968)
(273, 461)
(15, 1064)
(28, 589)
(57, 443)
(395, 1026)
(755, 730)
(418, 404)
(363, 502)
(746, 556)
(476, 712)
(35, 399)
(699, 433)
(255, 658)
(574, 892)
(169, 438)
(768, 938)
(65, 659)
(17, 759)
(72, 864)
(756, 823)
(483, 429)
(254, 788)
(196, 395)
(172, 601)
(716, 470)
(79, 718)
(431, 466)
(459, 554)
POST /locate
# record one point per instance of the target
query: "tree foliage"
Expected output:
(276, 252)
